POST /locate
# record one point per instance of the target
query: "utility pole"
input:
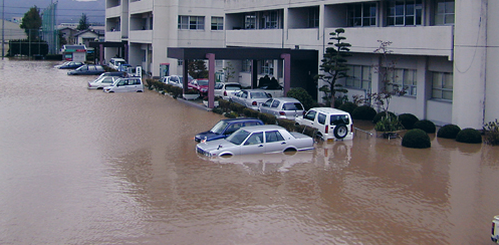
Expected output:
(3, 28)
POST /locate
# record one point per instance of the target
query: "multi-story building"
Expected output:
(444, 50)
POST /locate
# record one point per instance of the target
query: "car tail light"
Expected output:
(225, 93)
(493, 227)
(254, 103)
(282, 113)
(303, 113)
(326, 129)
(351, 128)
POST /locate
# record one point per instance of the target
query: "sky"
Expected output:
(68, 11)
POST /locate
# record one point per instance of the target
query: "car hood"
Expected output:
(215, 146)
(208, 135)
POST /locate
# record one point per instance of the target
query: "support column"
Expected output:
(185, 76)
(287, 72)
(211, 80)
(101, 54)
(254, 74)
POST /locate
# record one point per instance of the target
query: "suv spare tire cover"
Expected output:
(340, 131)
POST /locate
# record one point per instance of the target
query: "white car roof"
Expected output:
(329, 110)
(261, 128)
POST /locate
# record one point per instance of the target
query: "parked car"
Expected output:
(124, 67)
(495, 229)
(224, 90)
(225, 128)
(257, 140)
(283, 108)
(251, 98)
(176, 80)
(87, 70)
(70, 65)
(201, 85)
(103, 81)
(116, 62)
(129, 84)
(330, 123)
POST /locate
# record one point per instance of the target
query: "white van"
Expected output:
(331, 124)
(116, 62)
(129, 84)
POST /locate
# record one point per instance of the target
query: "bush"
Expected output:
(363, 113)
(250, 113)
(426, 125)
(231, 114)
(407, 120)
(416, 138)
(302, 95)
(267, 118)
(348, 107)
(469, 135)
(448, 131)
(217, 110)
(237, 108)
(491, 130)
(380, 115)
(287, 124)
(312, 132)
(388, 124)
(224, 105)
(176, 91)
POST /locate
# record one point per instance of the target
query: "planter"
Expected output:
(191, 96)
(216, 104)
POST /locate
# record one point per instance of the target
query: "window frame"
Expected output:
(398, 12)
(442, 89)
(217, 23)
(357, 11)
(188, 22)
(442, 15)
(398, 77)
(360, 82)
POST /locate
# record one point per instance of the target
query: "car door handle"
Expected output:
(260, 146)
(283, 143)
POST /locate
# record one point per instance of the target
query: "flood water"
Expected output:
(86, 167)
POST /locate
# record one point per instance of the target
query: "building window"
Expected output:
(246, 66)
(217, 23)
(268, 67)
(445, 12)
(403, 80)
(313, 17)
(191, 22)
(405, 12)
(362, 14)
(269, 20)
(442, 85)
(250, 21)
(358, 77)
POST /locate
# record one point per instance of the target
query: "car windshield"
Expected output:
(219, 127)
(238, 137)
(203, 82)
(259, 95)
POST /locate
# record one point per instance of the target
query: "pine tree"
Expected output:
(83, 24)
(31, 23)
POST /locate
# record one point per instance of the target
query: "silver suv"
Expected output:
(283, 108)
(331, 124)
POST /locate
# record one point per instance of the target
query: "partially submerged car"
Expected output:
(128, 84)
(257, 140)
(88, 70)
(331, 124)
(70, 65)
(226, 127)
(103, 81)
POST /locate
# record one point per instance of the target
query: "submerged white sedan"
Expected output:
(257, 140)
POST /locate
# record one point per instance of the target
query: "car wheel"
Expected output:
(340, 131)
(290, 150)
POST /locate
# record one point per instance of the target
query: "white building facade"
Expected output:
(444, 49)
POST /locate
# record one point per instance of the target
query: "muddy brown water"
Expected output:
(85, 167)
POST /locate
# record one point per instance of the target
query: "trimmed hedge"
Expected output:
(267, 118)
(448, 131)
(407, 120)
(378, 116)
(426, 125)
(312, 132)
(416, 138)
(250, 113)
(348, 107)
(287, 124)
(364, 113)
(469, 135)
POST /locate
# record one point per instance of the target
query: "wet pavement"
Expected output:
(86, 167)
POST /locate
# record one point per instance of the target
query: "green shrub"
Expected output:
(235, 107)
(302, 95)
(407, 120)
(448, 131)
(416, 138)
(176, 91)
(426, 125)
(231, 114)
(491, 130)
(363, 113)
(287, 124)
(224, 105)
(469, 135)
(217, 110)
(388, 124)
(312, 132)
(348, 107)
(380, 115)
(250, 113)
(267, 118)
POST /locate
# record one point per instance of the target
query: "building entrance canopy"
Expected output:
(240, 53)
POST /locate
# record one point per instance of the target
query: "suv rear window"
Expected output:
(339, 119)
